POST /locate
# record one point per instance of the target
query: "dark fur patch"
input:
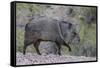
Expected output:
(70, 25)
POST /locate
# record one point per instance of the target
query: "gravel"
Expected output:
(30, 58)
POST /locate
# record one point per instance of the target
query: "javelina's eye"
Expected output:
(69, 26)
(74, 34)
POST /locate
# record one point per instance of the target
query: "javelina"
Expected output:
(60, 32)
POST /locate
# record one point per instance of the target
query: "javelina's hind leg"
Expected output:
(24, 49)
(36, 45)
(25, 46)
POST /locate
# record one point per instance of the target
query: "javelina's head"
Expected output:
(69, 33)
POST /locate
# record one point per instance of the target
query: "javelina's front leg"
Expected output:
(67, 45)
(59, 48)
(24, 48)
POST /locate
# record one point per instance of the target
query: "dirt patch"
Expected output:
(30, 58)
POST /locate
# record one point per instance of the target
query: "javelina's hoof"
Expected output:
(39, 53)
(59, 53)
(70, 50)
(24, 53)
